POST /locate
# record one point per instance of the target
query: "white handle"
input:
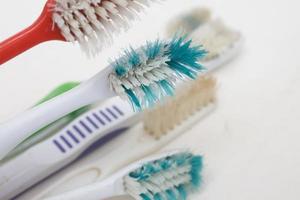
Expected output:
(16, 130)
(98, 191)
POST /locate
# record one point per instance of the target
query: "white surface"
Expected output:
(250, 142)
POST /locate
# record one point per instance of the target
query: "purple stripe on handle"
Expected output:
(85, 126)
(58, 145)
(79, 131)
(118, 110)
(72, 136)
(92, 122)
(105, 116)
(66, 142)
(111, 113)
(99, 119)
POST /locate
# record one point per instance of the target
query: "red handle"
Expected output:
(40, 31)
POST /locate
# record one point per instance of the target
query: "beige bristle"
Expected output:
(216, 38)
(189, 21)
(189, 99)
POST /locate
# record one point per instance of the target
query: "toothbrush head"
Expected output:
(218, 39)
(146, 75)
(171, 177)
(92, 23)
(189, 21)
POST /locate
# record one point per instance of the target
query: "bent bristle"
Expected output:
(216, 38)
(170, 178)
(188, 22)
(93, 23)
(188, 99)
(146, 75)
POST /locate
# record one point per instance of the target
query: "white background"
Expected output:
(251, 142)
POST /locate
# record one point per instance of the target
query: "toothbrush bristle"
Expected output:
(217, 38)
(93, 23)
(146, 75)
(173, 177)
(189, 101)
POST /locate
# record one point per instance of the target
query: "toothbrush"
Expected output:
(143, 77)
(189, 21)
(65, 146)
(222, 42)
(51, 128)
(218, 39)
(172, 175)
(151, 121)
(111, 117)
(91, 23)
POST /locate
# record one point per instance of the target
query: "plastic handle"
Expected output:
(40, 31)
(16, 130)
(96, 191)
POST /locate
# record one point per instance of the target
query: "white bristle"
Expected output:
(188, 22)
(93, 23)
(216, 38)
(148, 73)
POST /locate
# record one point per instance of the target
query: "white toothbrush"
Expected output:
(143, 76)
(172, 175)
(65, 146)
(96, 169)
(16, 130)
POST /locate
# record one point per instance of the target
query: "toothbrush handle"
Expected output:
(96, 191)
(40, 31)
(16, 130)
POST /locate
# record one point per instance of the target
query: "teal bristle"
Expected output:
(150, 73)
(145, 197)
(134, 99)
(167, 88)
(158, 196)
(182, 192)
(152, 98)
(120, 69)
(196, 163)
(170, 194)
(133, 58)
(153, 49)
(177, 187)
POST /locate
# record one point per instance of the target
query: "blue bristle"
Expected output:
(153, 49)
(181, 159)
(182, 69)
(167, 87)
(145, 197)
(171, 195)
(151, 97)
(182, 192)
(165, 164)
(120, 69)
(158, 196)
(133, 58)
(134, 99)
(196, 163)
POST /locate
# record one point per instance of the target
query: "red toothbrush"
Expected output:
(91, 23)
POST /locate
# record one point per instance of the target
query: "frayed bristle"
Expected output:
(189, 21)
(92, 23)
(216, 38)
(146, 75)
(188, 99)
(173, 177)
